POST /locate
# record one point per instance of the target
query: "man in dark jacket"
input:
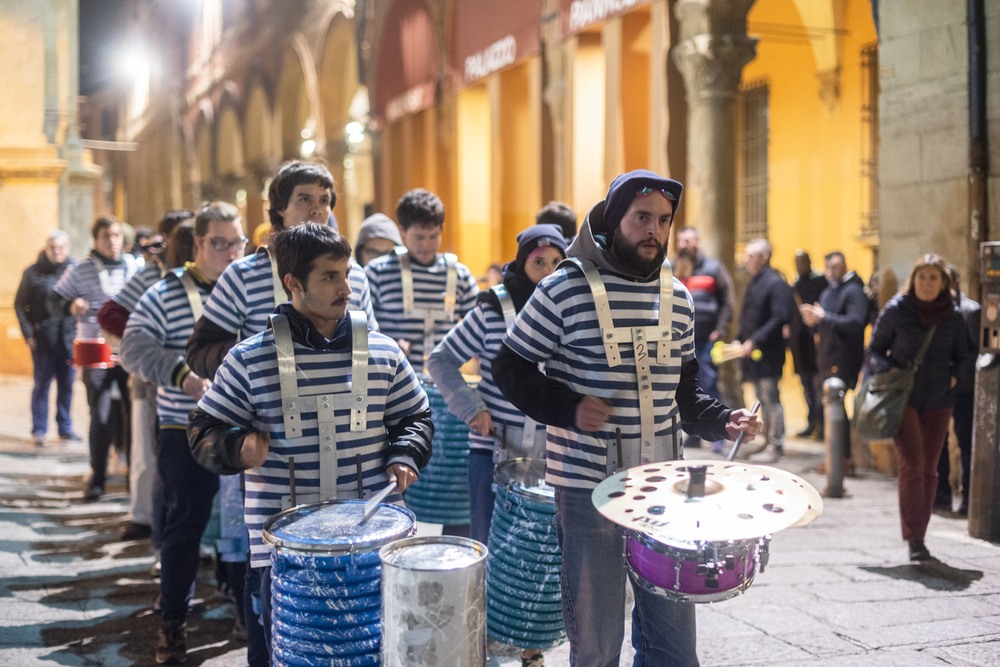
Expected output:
(840, 318)
(801, 342)
(763, 317)
(50, 338)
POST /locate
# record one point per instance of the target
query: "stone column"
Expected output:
(711, 53)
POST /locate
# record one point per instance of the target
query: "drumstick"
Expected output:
(291, 481)
(618, 447)
(739, 438)
(372, 503)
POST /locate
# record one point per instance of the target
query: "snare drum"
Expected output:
(704, 572)
(325, 580)
(92, 353)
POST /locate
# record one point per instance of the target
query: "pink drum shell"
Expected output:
(92, 353)
(653, 566)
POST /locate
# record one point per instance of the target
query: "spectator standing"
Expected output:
(559, 214)
(808, 285)
(840, 319)
(378, 236)
(711, 287)
(49, 337)
(763, 316)
(81, 291)
(925, 308)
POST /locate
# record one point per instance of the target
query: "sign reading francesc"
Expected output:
(490, 36)
(578, 15)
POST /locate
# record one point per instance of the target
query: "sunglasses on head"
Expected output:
(646, 191)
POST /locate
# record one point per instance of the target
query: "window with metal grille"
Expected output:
(753, 159)
(869, 140)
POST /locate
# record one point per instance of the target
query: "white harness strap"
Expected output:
(509, 315)
(279, 287)
(190, 291)
(640, 338)
(356, 400)
(429, 315)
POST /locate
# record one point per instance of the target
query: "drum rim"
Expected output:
(277, 542)
(517, 489)
(389, 551)
(698, 598)
(656, 545)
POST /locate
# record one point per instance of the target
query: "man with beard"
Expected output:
(616, 334)
(708, 281)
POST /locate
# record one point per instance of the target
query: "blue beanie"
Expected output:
(623, 190)
(535, 236)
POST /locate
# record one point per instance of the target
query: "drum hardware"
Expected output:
(291, 480)
(372, 503)
(358, 477)
(739, 438)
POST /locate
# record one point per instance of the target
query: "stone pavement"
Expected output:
(838, 591)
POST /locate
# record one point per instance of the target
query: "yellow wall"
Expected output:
(815, 186)
(472, 219)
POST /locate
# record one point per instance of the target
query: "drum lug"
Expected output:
(730, 562)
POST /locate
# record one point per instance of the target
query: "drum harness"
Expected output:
(530, 425)
(640, 338)
(429, 315)
(190, 291)
(292, 402)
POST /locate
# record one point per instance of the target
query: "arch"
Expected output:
(296, 106)
(203, 154)
(229, 154)
(258, 128)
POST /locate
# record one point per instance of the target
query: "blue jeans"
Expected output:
(49, 364)
(771, 411)
(481, 496)
(593, 596)
(708, 374)
(188, 490)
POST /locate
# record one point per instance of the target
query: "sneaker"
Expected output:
(919, 552)
(93, 493)
(806, 432)
(170, 646)
(136, 531)
(70, 437)
(38, 439)
(963, 507)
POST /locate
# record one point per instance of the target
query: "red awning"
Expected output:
(491, 35)
(578, 15)
(407, 69)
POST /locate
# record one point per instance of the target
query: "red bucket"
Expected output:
(92, 353)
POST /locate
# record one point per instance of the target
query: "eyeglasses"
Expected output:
(646, 191)
(159, 245)
(223, 245)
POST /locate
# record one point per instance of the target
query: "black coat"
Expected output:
(766, 310)
(842, 330)
(49, 331)
(896, 340)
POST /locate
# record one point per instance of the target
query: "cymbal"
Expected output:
(741, 501)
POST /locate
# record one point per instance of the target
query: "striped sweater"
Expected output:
(244, 296)
(246, 394)
(137, 285)
(385, 279)
(154, 341)
(84, 280)
(559, 326)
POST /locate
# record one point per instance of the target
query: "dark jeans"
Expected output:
(481, 496)
(258, 640)
(918, 448)
(109, 419)
(188, 490)
(962, 415)
(48, 364)
(812, 391)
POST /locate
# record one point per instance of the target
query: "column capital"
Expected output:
(713, 46)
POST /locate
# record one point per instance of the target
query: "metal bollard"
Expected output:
(836, 433)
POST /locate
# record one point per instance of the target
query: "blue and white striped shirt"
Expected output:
(83, 280)
(244, 296)
(137, 285)
(385, 279)
(247, 394)
(559, 326)
(164, 314)
(479, 334)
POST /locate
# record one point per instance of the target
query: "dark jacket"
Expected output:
(801, 338)
(765, 312)
(970, 311)
(49, 331)
(712, 292)
(842, 329)
(896, 340)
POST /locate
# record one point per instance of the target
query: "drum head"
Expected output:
(433, 553)
(526, 478)
(332, 526)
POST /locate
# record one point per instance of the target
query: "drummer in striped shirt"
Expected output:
(249, 290)
(418, 293)
(343, 403)
(153, 347)
(616, 335)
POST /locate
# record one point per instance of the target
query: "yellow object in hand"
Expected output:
(756, 355)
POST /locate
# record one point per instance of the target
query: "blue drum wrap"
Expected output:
(523, 602)
(441, 495)
(326, 581)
